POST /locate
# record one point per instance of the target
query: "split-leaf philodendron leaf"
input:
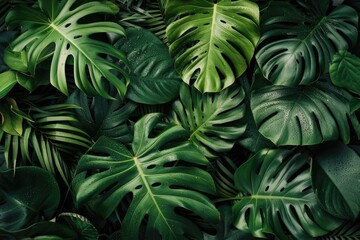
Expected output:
(151, 173)
(276, 196)
(296, 47)
(303, 115)
(213, 42)
(54, 30)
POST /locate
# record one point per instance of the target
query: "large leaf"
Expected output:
(336, 179)
(211, 119)
(54, 31)
(109, 172)
(23, 203)
(302, 115)
(102, 117)
(345, 71)
(296, 47)
(213, 42)
(276, 197)
(153, 76)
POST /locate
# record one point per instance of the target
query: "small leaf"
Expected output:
(7, 82)
(345, 71)
(11, 122)
(153, 76)
(79, 224)
(16, 60)
(336, 179)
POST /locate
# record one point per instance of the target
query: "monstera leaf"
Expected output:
(276, 197)
(159, 184)
(213, 42)
(153, 76)
(54, 30)
(303, 115)
(23, 203)
(297, 46)
(211, 119)
(345, 71)
(336, 177)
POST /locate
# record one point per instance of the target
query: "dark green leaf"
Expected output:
(276, 196)
(79, 224)
(213, 42)
(26, 197)
(153, 76)
(297, 46)
(345, 71)
(7, 82)
(303, 115)
(336, 179)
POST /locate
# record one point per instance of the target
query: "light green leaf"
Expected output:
(336, 179)
(276, 196)
(10, 121)
(153, 76)
(7, 82)
(152, 174)
(213, 43)
(23, 203)
(54, 31)
(303, 115)
(211, 119)
(297, 44)
(345, 71)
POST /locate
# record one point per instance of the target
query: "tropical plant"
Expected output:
(174, 119)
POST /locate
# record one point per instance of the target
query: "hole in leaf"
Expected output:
(152, 166)
(67, 25)
(267, 188)
(138, 187)
(77, 36)
(157, 184)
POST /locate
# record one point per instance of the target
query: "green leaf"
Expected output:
(153, 76)
(102, 117)
(297, 46)
(211, 119)
(54, 31)
(82, 226)
(336, 175)
(7, 82)
(303, 115)
(11, 122)
(23, 203)
(5, 38)
(276, 197)
(213, 42)
(16, 60)
(345, 71)
(349, 230)
(152, 174)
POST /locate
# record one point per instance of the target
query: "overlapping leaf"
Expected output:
(109, 172)
(276, 196)
(297, 46)
(213, 42)
(211, 119)
(23, 203)
(54, 30)
(304, 115)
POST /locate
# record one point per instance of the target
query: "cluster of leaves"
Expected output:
(175, 119)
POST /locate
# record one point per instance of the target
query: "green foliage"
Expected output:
(109, 171)
(212, 119)
(153, 76)
(53, 30)
(297, 47)
(100, 139)
(344, 71)
(335, 174)
(276, 197)
(22, 203)
(213, 42)
(302, 115)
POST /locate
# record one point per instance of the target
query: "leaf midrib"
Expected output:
(150, 193)
(271, 197)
